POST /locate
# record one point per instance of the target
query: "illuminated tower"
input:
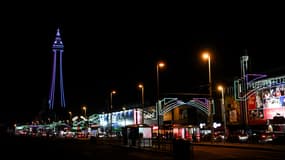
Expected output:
(57, 76)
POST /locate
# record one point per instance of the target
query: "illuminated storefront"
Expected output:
(121, 118)
(262, 99)
(266, 103)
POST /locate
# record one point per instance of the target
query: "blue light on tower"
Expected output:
(57, 49)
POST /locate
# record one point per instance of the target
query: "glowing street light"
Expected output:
(158, 66)
(70, 116)
(84, 109)
(206, 56)
(142, 99)
(221, 88)
(111, 107)
(142, 88)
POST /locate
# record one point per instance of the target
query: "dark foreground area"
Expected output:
(46, 148)
(16, 147)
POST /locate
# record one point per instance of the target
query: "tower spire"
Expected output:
(57, 44)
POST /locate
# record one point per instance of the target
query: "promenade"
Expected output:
(168, 147)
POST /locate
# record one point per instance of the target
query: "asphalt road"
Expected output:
(235, 153)
(43, 148)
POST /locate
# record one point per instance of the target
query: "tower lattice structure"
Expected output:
(57, 73)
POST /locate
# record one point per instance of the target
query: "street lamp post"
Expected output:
(142, 94)
(84, 109)
(142, 88)
(70, 117)
(221, 88)
(210, 116)
(158, 65)
(111, 108)
(85, 116)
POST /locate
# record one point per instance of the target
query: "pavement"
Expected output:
(271, 147)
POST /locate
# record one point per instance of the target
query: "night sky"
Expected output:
(116, 46)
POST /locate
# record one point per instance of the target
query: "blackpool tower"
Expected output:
(57, 76)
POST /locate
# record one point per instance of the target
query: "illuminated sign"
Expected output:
(266, 103)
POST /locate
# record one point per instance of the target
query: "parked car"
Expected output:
(238, 137)
(262, 137)
(217, 137)
(243, 138)
(266, 137)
